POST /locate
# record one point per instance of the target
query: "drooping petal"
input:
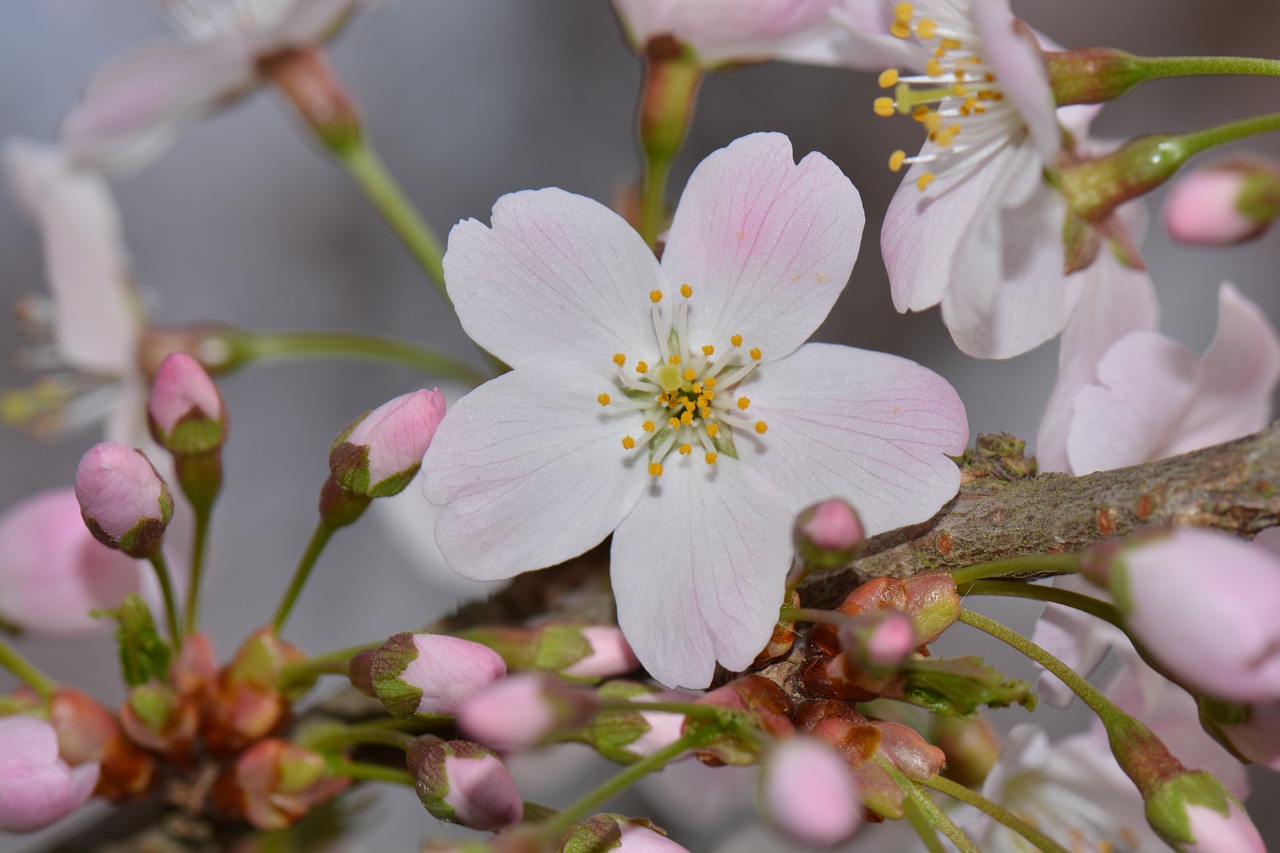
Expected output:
(135, 106)
(558, 280)
(1014, 55)
(726, 30)
(533, 472)
(766, 244)
(698, 569)
(97, 318)
(1115, 300)
(1145, 382)
(1238, 376)
(871, 428)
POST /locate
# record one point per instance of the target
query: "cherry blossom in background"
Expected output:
(673, 403)
(135, 106)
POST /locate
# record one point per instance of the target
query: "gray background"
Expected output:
(244, 222)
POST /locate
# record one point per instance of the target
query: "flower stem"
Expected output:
(170, 604)
(921, 823)
(203, 511)
(323, 532)
(935, 815)
(330, 737)
(1038, 839)
(1164, 67)
(1020, 568)
(12, 660)
(332, 663)
(246, 347)
(668, 94)
(370, 772)
(1018, 589)
(362, 163)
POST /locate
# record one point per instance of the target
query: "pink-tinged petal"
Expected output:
(861, 40)
(766, 244)
(1238, 376)
(726, 30)
(1203, 208)
(37, 788)
(306, 23)
(810, 792)
(871, 428)
(97, 319)
(644, 19)
(1146, 382)
(533, 471)
(1077, 639)
(1115, 300)
(1215, 832)
(1014, 55)
(699, 568)
(135, 106)
(1008, 294)
(558, 280)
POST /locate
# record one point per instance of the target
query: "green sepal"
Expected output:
(193, 434)
(349, 464)
(958, 687)
(144, 656)
(1166, 809)
(389, 661)
(153, 703)
(560, 646)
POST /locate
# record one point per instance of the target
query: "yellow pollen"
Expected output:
(619, 359)
(697, 388)
(896, 159)
(642, 367)
(755, 353)
(647, 426)
(924, 180)
(709, 394)
(903, 12)
(603, 399)
(762, 427)
(702, 401)
(655, 469)
(686, 291)
(713, 430)
(883, 107)
(628, 442)
(933, 68)
(689, 405)
(920, 112)
(711, 458)
(686, 418)
(689, 375)
(736, 340)
(743, 402)
(900, 30)
(686, 449)
(674, 423)
(663, 397)
(704, 412)
(932, 122)
(710, 382)
(708, 349)
(888, 78)
(948, 44)
(926, 28)
(655, 296)
(675, 359)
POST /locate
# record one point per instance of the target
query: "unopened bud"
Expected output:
(1224, 204)
(629, 735)
(1195, 813)
(424, 675)
(37, 787)
(123, 499)
(971, 747)
(828, 534)
(275, 783)
(379, 454)
(756, 695)
(245, 703)
(586, 652)
(810, 792)
(465, 783)
(617, 834)
(524, 710)
(155, 717)
(878, 642)
(185, 410)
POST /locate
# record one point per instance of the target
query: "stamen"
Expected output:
(686, 449)
(761, 427)
(655, 296)
(736, 340)
(655, 469)
(708, 350)
(603, 399)
(713, 430)
(628, 442)
(620, 359)
(888, 78)
(743, 402)
(686, 291)
(755, 353)
(642, 367)
(648, 426)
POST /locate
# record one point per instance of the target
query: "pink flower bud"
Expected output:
(185, 411)
(1224, 204)
(1204, 604)
(380, 453)
(610, 654)
(123, 499)
(37, 787)
(423, 674)
(53, 572)
(1215, 832)
(617, 834)
(523, 710)
(810, 792)
(879, 641)
(465, 783)
(828, 534)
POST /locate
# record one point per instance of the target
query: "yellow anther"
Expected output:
(648, 426)
(932, 122)
(736, 340)
(664, 397)
(711, 458)
(755, 353)
(704, 412)
(924, 180)
(686, 291)
(713, 430)
(926, 28)
(710, 382)
(888, 78)
(619, 359)
(900, 30)
(762, 427)
(686, 418)
(903, 12)
(743, 402)
(709, 394)
(655, 296)
(689, 405)
(959, 90)
(896, 159)
(884, 107)
(920, 112)
(689, 375)
(949, 44)
(697, 388)
(702, 401)
(642, 367)
(675, 359)
(933, 68)
(603, 399)
(686, 449)
(674, 423)
(708, 350)
(655, 469)
(628, 442)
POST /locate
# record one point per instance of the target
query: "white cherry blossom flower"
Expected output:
(673, 403)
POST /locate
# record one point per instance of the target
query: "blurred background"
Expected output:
(246, 222)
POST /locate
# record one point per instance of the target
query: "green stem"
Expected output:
(246, 347)
(1202, 140)
(319, 539)
(668, 94)
(1024, 567)
(26, 671)
(370, 772)
(170, 602)
(653, 195)
(331, 663)
(327, 738)
(1018, 589)
(565, 820)
(1042, 842)
(362, 163)
(688, 709)
(203, 511)
(923, 825)
(935, 815)
(1163, 67)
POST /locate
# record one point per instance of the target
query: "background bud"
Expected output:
(425, 674)
(379, 454)
(523, 710)
(810, 793)
(465, 783)
(37, 787)
(185, 410)
(123, 499)
(1229, 202)
(828, 534)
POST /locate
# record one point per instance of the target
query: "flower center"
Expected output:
(684, 398)
(958, 98)
(207, 20)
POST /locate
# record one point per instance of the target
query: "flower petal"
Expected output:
(1146, 382)
(558, 280)
(699, 567)
(533, 473)
(136, 105)
(766, 244)
(871, 428)
(725, 30)
(308, 23)
(1014, 54)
